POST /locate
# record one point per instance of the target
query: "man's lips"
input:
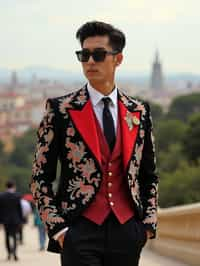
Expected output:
(92, 70)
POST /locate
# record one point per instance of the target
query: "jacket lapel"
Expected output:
(84, 121)
(130, 121)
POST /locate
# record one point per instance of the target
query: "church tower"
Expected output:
(157, 82)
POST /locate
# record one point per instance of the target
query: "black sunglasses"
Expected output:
(98, 55)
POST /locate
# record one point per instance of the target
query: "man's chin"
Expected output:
(93, 78)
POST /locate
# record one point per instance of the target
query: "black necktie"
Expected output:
(108, 123)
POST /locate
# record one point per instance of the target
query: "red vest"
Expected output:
(114, 194)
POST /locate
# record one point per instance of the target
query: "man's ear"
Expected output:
(119, 59)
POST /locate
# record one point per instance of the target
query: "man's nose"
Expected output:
(91, 60)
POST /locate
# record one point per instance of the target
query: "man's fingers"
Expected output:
(61, 240)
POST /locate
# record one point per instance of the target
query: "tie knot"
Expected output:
(106, 101)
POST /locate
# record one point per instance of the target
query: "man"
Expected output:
(11, 217)
(106, 203)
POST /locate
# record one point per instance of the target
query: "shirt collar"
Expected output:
(96, 96)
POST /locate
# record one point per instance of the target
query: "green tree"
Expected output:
(3, 177)
(1, 148)
(168, 132)
(183, 106)
(180, 187)
(18, 163)
(3, 161)
(21, 176)
(3, 155)
(191, 141)
(156, 112)
(170, 160)
(22, 155)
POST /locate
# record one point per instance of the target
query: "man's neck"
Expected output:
(104, 88)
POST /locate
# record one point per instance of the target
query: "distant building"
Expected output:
(14, 80)
(34, 81)
(157, 82)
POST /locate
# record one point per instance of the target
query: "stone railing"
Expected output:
(179, 233)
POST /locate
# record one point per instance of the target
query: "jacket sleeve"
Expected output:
(148, 178)
(44, 170)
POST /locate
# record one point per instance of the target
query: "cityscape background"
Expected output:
(23, 92)
(38, 52)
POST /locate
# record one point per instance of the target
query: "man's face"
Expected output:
(100, 71)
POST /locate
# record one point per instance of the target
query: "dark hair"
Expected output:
(117, 39)
(10, 184)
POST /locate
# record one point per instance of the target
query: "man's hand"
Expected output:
(61, 240)
(149, 234)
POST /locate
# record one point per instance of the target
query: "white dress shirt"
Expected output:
(98, 105)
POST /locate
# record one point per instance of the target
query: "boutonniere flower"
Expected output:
(136, 120)
(131, 120)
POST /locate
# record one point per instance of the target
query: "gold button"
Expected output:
(111, 203)
(110, 173)
(109, 184)
(110, 195)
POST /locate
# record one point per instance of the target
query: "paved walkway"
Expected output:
(30, 256)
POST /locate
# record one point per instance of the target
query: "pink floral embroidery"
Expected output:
(82, 97)
(64, 205)
(76, 151)
(87, 168)
(47, 210)
(40, 159)
(46, 201)
(152, 201)
(151, 219)
(125, 100)
(132, 171)
(86, 190)
(49, 136)
(70, 131)
(135, 188)
(65, 103)
(45, 137)
(44, 189)
(142, 133)
(78, 187)
(44, 215)
(138, 153)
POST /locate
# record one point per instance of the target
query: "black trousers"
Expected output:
(112, 243)
(11, 231)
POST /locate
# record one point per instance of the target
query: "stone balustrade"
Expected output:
(179, 233)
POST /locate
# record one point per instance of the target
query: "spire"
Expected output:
(157, 57)
(157, 76)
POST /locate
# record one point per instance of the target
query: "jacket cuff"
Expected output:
(56, 229)
(56, 236)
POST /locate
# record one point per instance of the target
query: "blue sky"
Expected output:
(42, 32)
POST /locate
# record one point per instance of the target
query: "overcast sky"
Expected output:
(42, 32)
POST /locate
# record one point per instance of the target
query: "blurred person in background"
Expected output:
(105, 207)
(41, 229)
(26, 211)
(11, 217)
